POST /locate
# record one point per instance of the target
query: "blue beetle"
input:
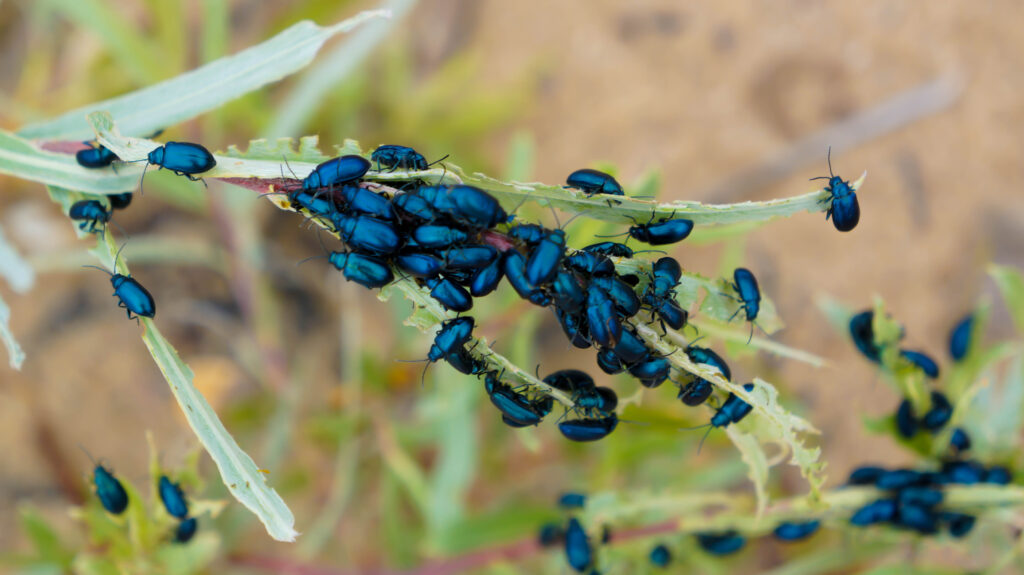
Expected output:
(709, 357)
(610, 363)
(572, 500)
(575, 327)
(906, 421)
(432, 236)
(960, 441)
(367, 271)
(918, 518)
(109, 490)
(451, 295)
(962, 473)
(464, 362)
(361, 200)
(545, 258)
(878, 511)
(515, 270)
(588, 429)
(591, 264)
(663, 232)
(454, 333)
(695, 392)
(595, 402)
(550, 534)
(660, 556)
(336, 172)
(863, 335)
(612, 249)
(592, 182)
(517, 410)
(120, 201)
(173, 498)
(998, 475)
(468, 257)
(528, 234)
(631, 349)
(578, 551)
(186, 530)
(745, 285)
(960, 338)
(95, 156)
(398, 157)
(733, 409)
(922, 361)
(568, 292)
(923, 496)
(367, 234)
(419, 265)
(960, 524)
(724, 543)
(842, 200)
(465, 204)
(570, 380)
(131, 296)
(651, 372)
(939, 414)
(414, 207)
(486, 279)
(604, 324)
(796, 530)
(866, 475)
(313, 203)
(896, 479)
(91, 214)
(182, 158)
(622, 295)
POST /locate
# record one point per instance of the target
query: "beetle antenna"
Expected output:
(87, 454)
(142, 180)
(614, 235)
(118, 254)
(439, 160)
(99, 268)
(703, 439)
(830, 162)
(285, 158)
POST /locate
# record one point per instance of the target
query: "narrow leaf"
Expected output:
(21, 159)
(1011, 286)
(205, 88)
(15, 354)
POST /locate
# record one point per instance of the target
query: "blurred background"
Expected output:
(727, 101)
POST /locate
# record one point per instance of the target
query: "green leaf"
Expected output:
(44, 538)
(753, 455)
(205, 88)
(1011, 286)
(21, 159)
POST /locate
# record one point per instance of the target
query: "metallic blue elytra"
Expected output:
(578, 551)
(896, 479)
(590, 264)
(575, 327)
(588, 429)
(550, 534)
(733, 409)
(95, 156)
(91, 214)
(451, 295)
(923, 496)
(610, 363)
(336, 172)
(939, 414)
(660, 556)
(962, 473)
(367, 234)
(120, 201)
(796, 530)
(651, 372)
(960, 441)
(866, 475)
(998, 475)
(398, 157)
(173, 498)
(906, 422)
(367, 271)
(669, 312)
(465, 204)
(486, 279)
(631, 348)
(568, 292)
(843, 207)
(724, 543)
(454, 333)
(183, 158)
(414, 207)
(131, 296)
(878, 511)
(515, 270)
(612, 249)
(595, 402)
(605, 326)
(572, 500)
(960, 338)
(745, 285)
(864, 336)
(361, 200)
(662, 232)
(468, 257)
(959, 524)
(529, 234)
(464, 362)
(432, 236)
(696, 392)
(514, 406)
(594, 182)
(313, 203)
(419, 265)
(570, 380)
(709, 357)
(922, 361)
(625, 299)
(109, 490)
(545, 258)
(665, 276)
(186, 530)
(918, 518)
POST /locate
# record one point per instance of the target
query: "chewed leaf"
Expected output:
(21, 159)
(205, 88)
(754, 456)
